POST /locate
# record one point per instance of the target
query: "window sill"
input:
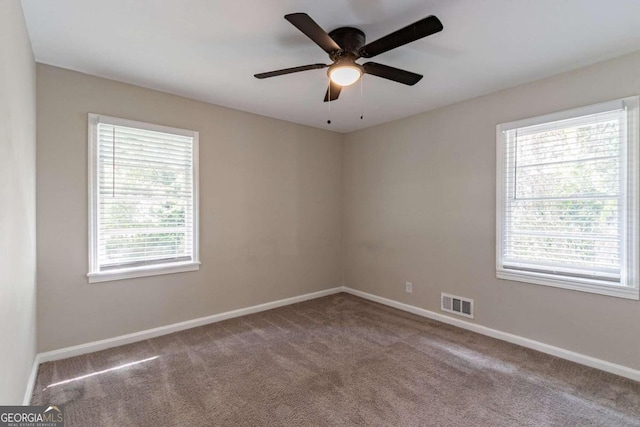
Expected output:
(153, 270)
(557, 282)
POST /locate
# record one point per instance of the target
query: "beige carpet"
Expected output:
(339, 360)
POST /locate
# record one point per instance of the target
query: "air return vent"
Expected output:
(457, 305)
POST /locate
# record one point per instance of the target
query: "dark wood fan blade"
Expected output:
(289, 71)
(391, 73)
(423, 28)
(333, 89)
(308, 26)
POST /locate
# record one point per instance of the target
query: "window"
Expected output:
(567, 199)
(143, 199)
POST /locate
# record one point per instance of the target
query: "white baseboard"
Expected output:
(562, 353)
(32, 381)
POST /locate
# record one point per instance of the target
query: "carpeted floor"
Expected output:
(338, 361)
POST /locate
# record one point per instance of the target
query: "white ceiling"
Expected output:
(210, 49)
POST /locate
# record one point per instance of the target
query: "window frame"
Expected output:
(95, 275)
(631, 209)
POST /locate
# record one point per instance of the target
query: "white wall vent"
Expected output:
(456, 305)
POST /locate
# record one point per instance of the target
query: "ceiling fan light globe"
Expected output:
(345, 75)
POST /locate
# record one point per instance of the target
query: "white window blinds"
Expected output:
(144, 196)
(565, 211)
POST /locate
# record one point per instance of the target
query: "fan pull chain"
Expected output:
(361, 102)
(329, 102)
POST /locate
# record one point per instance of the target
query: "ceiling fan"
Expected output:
(347, 44)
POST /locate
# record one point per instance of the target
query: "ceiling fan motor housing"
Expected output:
(350, 40)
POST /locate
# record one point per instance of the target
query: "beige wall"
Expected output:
(413, 200)
(17, 204)
(419, 203)
(270, 212)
